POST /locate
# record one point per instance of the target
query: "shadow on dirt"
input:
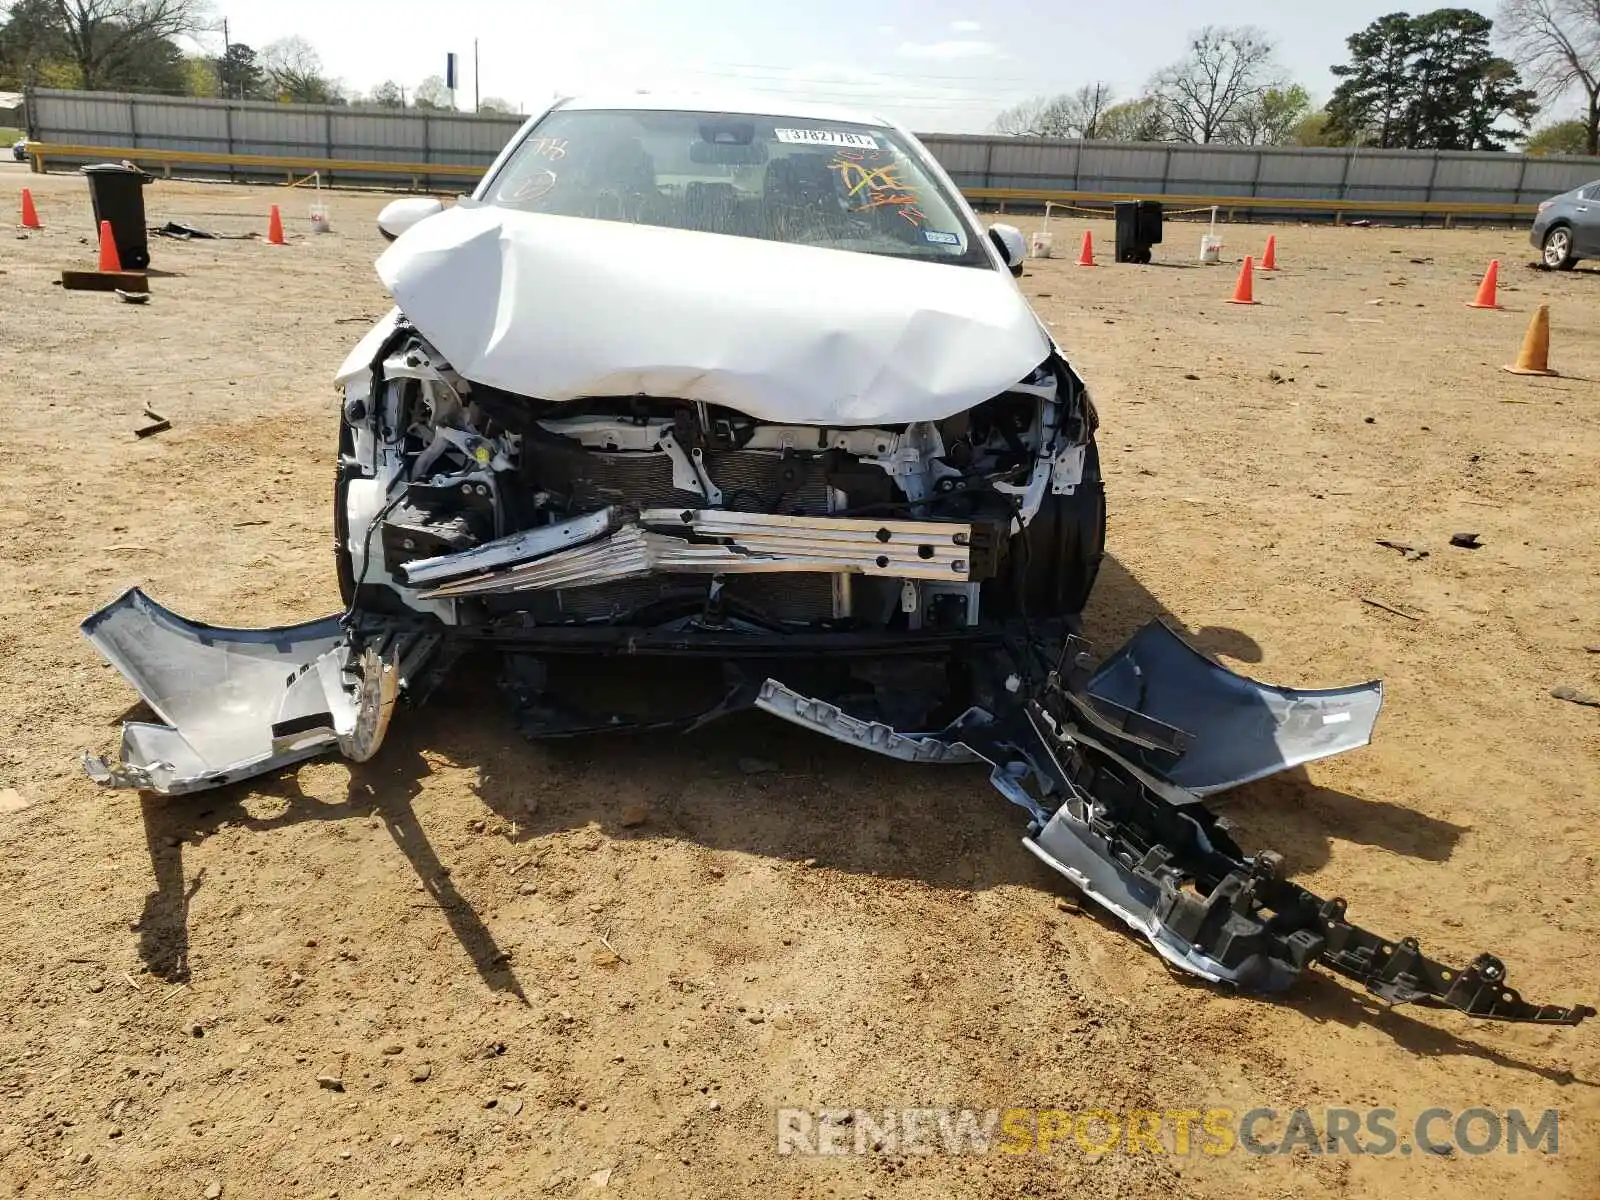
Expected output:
(1327, 1000)
(384, 790)
(751, 785)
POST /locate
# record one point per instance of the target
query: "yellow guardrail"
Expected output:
(42, 152)
(1228, 204)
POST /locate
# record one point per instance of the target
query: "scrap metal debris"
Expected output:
(1411, 553)
(158, 424)
(173, 229)
(183, 233)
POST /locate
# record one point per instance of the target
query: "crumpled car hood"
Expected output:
(561, 307)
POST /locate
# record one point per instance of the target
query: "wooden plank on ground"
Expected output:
(105, 281)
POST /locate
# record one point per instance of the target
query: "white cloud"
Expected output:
(948, 50)
(965, 26)
(886, 30)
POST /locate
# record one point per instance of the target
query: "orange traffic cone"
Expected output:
(1086, 255)
(1535, 356)
(30, 215)
(109, 259)
(1244, 291)
(1269, 260)
(275, 227)
(1486, 289)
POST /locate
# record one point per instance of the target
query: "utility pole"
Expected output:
(222, 79)
(474, 74)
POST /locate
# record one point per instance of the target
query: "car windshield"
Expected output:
(808, 182)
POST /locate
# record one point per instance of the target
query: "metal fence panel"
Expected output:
(1292, 172)
(1206, 168)
(468, 139)
(1391, 170)
(1121, 167)
(133, 122)
(362, 134)
(960, 156)
(1545, 179)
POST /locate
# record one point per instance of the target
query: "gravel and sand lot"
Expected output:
(481, 967)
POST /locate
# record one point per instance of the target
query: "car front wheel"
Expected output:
(1056, 559)
(1558, 249)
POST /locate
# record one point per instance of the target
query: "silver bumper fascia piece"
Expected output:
(235, 702)
(606, 548)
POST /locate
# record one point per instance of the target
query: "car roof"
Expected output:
(755, 104)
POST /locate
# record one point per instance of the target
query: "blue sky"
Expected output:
(939, 65)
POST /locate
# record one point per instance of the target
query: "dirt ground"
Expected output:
(523, 996)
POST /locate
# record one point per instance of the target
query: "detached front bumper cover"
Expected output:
(237, 703)
(1111, 767)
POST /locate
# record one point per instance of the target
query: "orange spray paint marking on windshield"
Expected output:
(870, 186)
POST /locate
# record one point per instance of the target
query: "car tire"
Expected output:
(343, 560)
(1059, 559)
(1556, 250)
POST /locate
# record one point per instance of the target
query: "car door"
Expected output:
(1586, 222)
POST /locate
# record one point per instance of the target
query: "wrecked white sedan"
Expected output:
(753, 396)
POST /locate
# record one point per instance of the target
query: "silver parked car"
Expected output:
(1568, 227)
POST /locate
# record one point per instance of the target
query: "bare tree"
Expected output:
(103, 36)
(388, 95)
(1068, 115)
(1083, 109)
(1201, 96)
(1557, 43)
(295, 69)
(432, 93)
(1024, 119)
(1132, 121)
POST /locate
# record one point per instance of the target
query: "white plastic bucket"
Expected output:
(1210, 249)
(1042, 245)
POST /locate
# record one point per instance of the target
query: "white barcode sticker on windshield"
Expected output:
(827, 137)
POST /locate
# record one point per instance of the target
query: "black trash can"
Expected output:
(1138, 228)
(117, 192)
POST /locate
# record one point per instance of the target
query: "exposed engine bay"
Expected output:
(480, 507)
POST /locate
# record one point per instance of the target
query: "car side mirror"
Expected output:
(400, 215)
(1008, 240)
